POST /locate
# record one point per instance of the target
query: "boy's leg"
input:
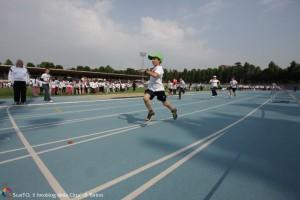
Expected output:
(147, 101)
(171, 108)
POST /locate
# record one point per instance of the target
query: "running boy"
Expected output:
(156, 87)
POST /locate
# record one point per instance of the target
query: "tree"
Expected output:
(79, 68)
(86, 68)
(30, 64)
(109, 69)
(8, 62)
(59, 67)
(293, 72)
(47, 65)
(131, 71)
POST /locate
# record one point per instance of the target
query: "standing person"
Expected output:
(214, 82)
(133, 85)
(170, 87)
(181, 87)
(233, 87)
(156, 87)
(35, 87)
(46, 87)
(19, 77)
(174, 86)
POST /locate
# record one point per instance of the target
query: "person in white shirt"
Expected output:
(170, 89)
(19, 77)
(46, 81)
(233, 86)
(156, 87)
(35, 87)
(181, 87)
(214, 85)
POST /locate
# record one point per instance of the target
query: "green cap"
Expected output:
(156, 55)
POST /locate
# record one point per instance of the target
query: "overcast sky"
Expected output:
(190, 33)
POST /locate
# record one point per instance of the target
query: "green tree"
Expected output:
(29, 64)
(59, 67)
(109, 69)
(79, 68)
(86, 68)
(8, 62)
(47, 65)
(293, 72)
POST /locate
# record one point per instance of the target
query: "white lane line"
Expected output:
(32, 127)
(12, 150)
(57, 188)
(73, 111)
(169, 170)
(66, 139)
(177, 164)
(122, 129)
(29, 116)
(97, 133)
(293, 97)
(110, 104)
(86, 101)
(167, 157)
(70, 145)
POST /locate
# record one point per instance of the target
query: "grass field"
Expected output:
(8, 92)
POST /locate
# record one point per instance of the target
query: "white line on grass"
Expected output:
(167, 157)
(38, 161)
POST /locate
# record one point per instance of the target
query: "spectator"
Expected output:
(46, 87)
(19, 77)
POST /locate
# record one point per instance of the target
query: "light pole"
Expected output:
(143, 55)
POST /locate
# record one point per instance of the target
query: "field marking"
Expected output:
(90, 101)
(124, 129)
(293, 97)
(57, 188)
(177, 164)
(70, 121)
(167, 157)
(59, 111)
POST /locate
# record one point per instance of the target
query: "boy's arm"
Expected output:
(152, 73)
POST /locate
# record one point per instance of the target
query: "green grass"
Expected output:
(9, 93)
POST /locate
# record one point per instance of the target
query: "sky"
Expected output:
(189, 33)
